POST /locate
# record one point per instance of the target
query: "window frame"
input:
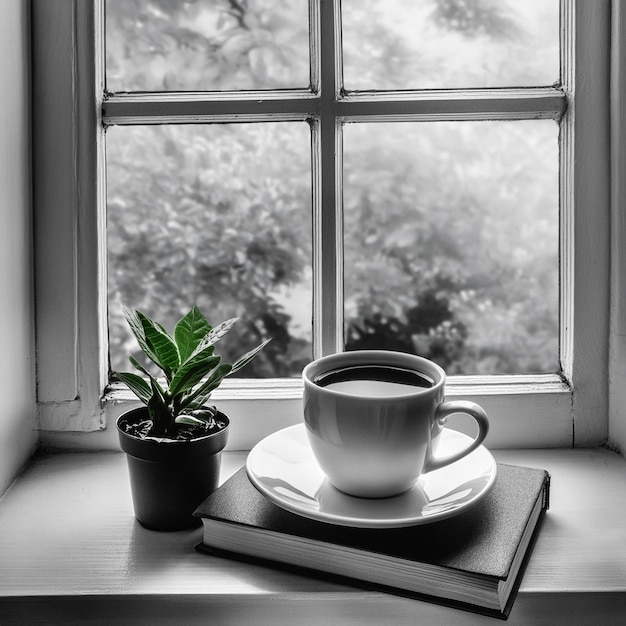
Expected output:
(71, 110)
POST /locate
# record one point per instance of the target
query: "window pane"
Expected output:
(206, 45)
(219, 215)
(426, 44)
(452, 252)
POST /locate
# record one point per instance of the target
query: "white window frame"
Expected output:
(617, 339)
(69, 114)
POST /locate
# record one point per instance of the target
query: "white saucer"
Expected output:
(282, 467)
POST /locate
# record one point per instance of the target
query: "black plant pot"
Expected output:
(170, 479)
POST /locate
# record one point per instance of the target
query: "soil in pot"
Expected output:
(170, 478)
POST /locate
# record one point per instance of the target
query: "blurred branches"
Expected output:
(451, 242)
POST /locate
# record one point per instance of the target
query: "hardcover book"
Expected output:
(473, 561)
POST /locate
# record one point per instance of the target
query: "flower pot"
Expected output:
(169, 479)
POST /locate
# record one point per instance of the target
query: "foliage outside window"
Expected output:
(450, 228)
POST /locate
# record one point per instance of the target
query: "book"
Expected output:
(474, 561)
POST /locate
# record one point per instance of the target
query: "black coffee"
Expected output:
(374, 380)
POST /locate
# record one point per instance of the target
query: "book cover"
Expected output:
(473, 561)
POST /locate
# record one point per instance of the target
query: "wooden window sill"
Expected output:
(71, 551)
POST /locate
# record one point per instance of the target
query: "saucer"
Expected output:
(282, 467)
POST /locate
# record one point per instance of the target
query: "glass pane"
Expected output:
(206, 45)
(430, 44)
(220, 216)
(452, 252)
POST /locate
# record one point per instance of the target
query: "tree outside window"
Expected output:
(450, 228)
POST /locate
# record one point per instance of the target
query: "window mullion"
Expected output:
(456, 105)
(167, 108)
(328, 236)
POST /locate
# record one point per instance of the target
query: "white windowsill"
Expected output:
(70, 549)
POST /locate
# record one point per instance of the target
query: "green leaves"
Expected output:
(136, 326)
(202, 418)
(248, 356)
(163, 345)
(157, 345)
(190, 331)
(214, 335)
(201, 394)
(136, 384)
(191, 369)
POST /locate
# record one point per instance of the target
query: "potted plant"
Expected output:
(173, 443)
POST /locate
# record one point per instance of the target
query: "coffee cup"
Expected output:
(374, 419)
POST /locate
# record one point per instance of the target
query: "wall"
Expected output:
(617, 338)
(18, 437)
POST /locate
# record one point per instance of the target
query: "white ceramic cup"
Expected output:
(372, 445)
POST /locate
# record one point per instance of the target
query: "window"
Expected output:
(513, 133)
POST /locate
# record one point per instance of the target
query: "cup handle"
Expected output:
(444, 410)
